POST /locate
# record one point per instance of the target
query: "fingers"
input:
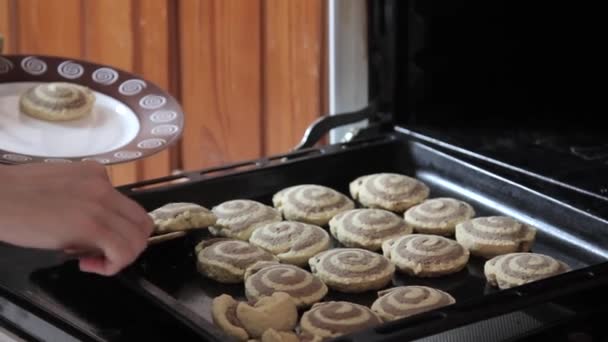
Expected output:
(130, 211)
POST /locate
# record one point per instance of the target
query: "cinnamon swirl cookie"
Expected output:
(367, 228)
(223, 313)
(390, 191)
(57, 101)
(239, 218)
(226, 260)
(327, 320)
(438, 215)
(405, 301)
(426, 255)
(180, 216)
(352, 270)
(495, 235)
(304, 288)
(309, 203)
(292, 242)
(515, 269)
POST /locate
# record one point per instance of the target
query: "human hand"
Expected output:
(73, 208)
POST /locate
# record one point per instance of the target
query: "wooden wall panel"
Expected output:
(249, 73)
(152, 59)
(220, 80)
(292, 70)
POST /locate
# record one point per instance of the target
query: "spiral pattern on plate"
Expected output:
(239, 218)
(5, 65)
(289, 239)
(302, 286)
(105, 76)
(33, 66)
(367, 228)
(438, 215)
(332, 319)
(311, 203)
(516, 269)
(426, 255)
(390, 191)
(70, 70)
(132, 87)
(405, 301)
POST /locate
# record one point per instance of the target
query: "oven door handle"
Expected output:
(324, 124)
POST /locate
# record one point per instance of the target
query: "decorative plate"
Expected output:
(131, 118)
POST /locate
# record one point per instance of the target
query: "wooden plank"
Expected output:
(292, 70)
(108, 39)
(49, 27)
(221, 80)
(5, 26)
(152, 62)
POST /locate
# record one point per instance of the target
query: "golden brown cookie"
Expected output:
(405, 301)
(223, 312)
(304, 288)
(57, 101)
(237, 219)
(272, 335)
(292, 242)
(495, 235)
(180, 216)
(516, 269)
(389, 191)
(367, 228)
(426, 255)
(226, 260)
(438, 215)
(352, 269)
(331, 319)
(311, 203)
(277, 311)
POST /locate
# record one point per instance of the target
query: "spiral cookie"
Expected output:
(352, 270)
(390, 191)
(495, 235)
(305, 288)
(426, 255)
(405, 301)
(226, 260)
(315, 204)
(438, 216)
(367, 228)
(180, 216)
(515, 269)
(239, 218)
(292, 242)
(223, 313)
(57, 101)
(331, 319)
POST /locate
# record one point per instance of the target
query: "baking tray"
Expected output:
(166, 273)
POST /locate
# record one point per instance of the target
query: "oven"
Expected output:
(492, 103)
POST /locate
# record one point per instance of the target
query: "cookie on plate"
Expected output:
(310, 203)
(367, 228)
(332, 319)
(424, 255)
(352, 270)
(237, 219)
(225, 260)
(389, 191)
(515, 269)
(180, 216)
(438, 215)
(57, 101)
(304, 288)
(405, 301)
(292, 242)
(495, 235)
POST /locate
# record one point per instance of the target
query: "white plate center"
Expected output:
(110, 126)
